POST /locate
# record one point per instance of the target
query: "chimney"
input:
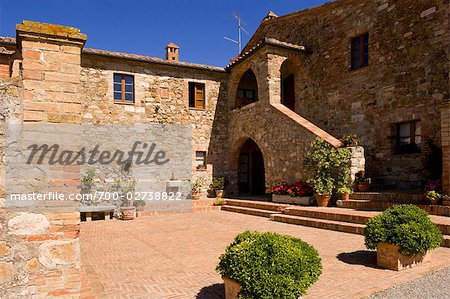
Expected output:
(172, 52)
(270, 15)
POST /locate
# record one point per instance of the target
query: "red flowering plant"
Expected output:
(299, 189)
(349, 140)
(279, 188)
(296, 189)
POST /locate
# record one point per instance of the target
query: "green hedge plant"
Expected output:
(407, 226)
(269, 265)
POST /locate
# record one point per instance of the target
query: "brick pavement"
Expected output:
(174, 256)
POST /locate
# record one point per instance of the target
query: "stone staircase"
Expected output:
(380, 201)
(332, 218)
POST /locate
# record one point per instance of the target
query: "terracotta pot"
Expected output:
(345, 196)
(219, 193)
(211, 193)
(446, 202)
(195, 195)
(363, 186)
(388, 256)
(434, 201)
(139, 208)
(322, 200)
(128, 213)
(232, 288)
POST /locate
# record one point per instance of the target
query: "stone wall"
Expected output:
(404, 80)
(445, 133)
(161, 96)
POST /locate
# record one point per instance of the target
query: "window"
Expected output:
(408, 137)
(200, 160)
(123, 88)
(196, 95)
(360, 51)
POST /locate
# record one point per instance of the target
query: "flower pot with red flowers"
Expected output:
(297, 193)
(446, 200)
(349, 140)
(362, 181)
(433, 197)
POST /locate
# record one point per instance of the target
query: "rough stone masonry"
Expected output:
(48, 76)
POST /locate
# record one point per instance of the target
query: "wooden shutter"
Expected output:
(200, 96)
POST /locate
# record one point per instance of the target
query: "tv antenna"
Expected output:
(240, 29)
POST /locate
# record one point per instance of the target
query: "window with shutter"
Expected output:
(360, 51)
(197, 95)
(123, 88)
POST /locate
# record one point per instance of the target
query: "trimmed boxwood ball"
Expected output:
(407, 226)
(270, 265)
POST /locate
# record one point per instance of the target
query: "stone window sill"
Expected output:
(196, 109)
(124, 103)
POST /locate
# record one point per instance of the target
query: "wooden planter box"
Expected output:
(232, 288)
(304, 201)
(388, 256)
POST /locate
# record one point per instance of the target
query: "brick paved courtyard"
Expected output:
(174, 256)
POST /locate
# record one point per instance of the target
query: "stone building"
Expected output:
(375, 68)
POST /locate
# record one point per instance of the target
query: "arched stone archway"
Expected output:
(289, 76)
(250, 169)
(247, 89)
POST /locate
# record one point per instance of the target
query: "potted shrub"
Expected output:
(344, 192)
(446, 200)
(403, 236)
(362, 181)
(328, 169)
(139, 204)
(218, 184)
(196, 187)
(219, 201)
(433, 197)
(268, 265)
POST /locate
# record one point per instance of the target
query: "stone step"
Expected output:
(353, 228)
(260, 205)
(369, 205)
(353, 216)
(389, 196)
(335, 214)
(249, 211)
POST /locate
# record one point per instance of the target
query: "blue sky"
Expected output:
(146, 27)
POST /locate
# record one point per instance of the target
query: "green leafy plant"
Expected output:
(361, 177)
(407, 226)
(343, 190)
(139, 202)
(88, 180)
(198, 184)
(269, 265)
(218, 183)
(433, 196)
(349, 140)
(328, 168)
(219, 201)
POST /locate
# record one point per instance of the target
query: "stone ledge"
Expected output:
(51, 30)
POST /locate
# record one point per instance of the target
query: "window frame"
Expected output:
(204, 158)
(192, 94)
(363, 51)
(412, 147)
(123, 91)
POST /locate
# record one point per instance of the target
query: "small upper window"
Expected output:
(360, 51)
(123, 88)
(408, 137)
(196, 95)
(200, 160)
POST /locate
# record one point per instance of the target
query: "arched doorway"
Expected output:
(251, 172)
